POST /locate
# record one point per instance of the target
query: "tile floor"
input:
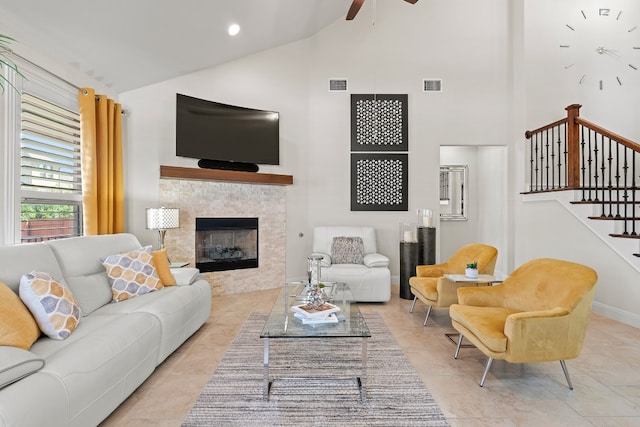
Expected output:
(606, 376)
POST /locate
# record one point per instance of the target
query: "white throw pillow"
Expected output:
(52, 305)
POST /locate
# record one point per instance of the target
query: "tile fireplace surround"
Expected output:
(208, 197)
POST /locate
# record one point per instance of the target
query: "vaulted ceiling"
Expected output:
(127, 44)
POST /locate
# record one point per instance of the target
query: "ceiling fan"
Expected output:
(357, 4)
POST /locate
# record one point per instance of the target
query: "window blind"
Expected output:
(50, 170)
(50, 147)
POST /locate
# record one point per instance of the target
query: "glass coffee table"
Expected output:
(281, 324)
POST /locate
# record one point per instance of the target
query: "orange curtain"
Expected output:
(102, 169)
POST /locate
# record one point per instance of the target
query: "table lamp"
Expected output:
(162, 219)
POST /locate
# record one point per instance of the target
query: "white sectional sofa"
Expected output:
(115, 346)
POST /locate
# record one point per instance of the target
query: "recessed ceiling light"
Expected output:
(234, 29)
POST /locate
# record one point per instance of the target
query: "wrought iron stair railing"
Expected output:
(575, 154)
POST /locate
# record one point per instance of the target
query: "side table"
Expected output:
(481, 280)
(178, 264)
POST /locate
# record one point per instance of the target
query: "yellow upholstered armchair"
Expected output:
(538, 314)
(430, 286)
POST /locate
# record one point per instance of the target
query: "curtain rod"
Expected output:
(40, 67)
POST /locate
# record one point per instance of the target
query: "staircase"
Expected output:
(596, 169)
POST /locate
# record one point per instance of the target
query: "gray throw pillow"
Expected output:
(347, 250)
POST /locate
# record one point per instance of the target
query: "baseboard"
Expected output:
(614, 313)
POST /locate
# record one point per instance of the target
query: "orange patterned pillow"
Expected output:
(132, 274)
(161, 262)
(18, 328)
(51, 304)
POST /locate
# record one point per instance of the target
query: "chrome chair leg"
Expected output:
(566, 374)
(455, 355)
(486, 371)
(413, 304)
(427, 316)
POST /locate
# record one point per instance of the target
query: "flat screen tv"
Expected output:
(226, 136)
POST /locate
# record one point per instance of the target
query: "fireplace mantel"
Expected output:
(177, 172)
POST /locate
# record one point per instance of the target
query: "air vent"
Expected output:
(337, 85)
(432, 85)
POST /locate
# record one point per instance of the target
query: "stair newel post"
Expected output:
(573, 146)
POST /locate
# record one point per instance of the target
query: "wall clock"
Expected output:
(604, 48)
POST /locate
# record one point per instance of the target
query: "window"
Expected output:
(40, 187)
(50, 175)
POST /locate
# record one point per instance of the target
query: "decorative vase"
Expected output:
(408, 232)
(425, 217)
(314, 269)
(471, 273)
(316, 296)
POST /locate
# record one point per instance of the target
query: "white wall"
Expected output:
(406, 44)
(272, 80)
(545, 229)
(485, 204)
(456, 233)
(492, 193)
(501, 76)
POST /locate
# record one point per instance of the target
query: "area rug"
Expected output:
(395, 394)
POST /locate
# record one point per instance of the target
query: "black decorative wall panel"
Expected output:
(379, 182)
(379, 122)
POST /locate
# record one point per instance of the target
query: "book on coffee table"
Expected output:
(313, 321)
(307, 311)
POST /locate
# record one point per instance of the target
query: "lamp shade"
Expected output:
(163, 218)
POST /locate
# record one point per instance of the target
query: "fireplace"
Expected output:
(226, 243)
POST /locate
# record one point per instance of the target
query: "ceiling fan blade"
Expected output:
(411, 1)
(353, 10)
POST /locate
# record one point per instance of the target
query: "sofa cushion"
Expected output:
(16, 364)
(52, 305)
(84, 274)
(161, 262)
(18, 328)
(23, 258)
(486, 323)
(366, 284)
(132, 273)
(347, 250)
(180, 310)
(105, 360)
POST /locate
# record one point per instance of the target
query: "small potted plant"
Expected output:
(472, 270)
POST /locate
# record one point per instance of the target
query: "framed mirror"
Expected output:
(453, 192)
